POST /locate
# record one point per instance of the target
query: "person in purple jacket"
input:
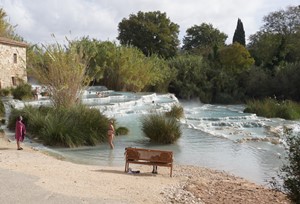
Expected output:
(20, 132)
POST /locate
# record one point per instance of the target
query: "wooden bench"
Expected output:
(148, 157)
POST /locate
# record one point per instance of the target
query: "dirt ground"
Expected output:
(46, 179)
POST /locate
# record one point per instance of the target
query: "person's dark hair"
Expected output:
(19, 118)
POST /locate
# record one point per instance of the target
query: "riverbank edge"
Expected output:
(64, 181)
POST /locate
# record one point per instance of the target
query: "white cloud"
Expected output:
(99, 19)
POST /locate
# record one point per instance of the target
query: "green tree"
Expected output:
(203, 39)
(239, 33)
(151, 32)
(283, 22)
(277, 42)
(191, 80)
(228, 81)
(235, 58)
(128, 69)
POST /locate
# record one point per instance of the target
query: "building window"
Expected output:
(15, 58)
(14, 82)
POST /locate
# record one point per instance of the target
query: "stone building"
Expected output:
(12, 63)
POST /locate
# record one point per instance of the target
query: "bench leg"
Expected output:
(126, 166)
(171, 170)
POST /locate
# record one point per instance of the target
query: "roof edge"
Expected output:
(7, 41)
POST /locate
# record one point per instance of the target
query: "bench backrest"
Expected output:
(150, 155)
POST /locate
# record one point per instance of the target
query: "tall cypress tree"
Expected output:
(239, 33)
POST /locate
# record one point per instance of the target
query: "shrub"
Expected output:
(122, 131)
(290, 172)
(4, 92)
(2, 109)
(22, 92)
(271, 108)
(68, 127)
(176, 112)
(161, 129)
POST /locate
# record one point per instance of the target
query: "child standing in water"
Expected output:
(111, 133)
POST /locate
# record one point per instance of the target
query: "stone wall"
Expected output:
(12, 63)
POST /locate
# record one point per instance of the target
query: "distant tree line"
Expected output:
(150, 58)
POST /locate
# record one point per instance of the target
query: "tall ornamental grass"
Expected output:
(175, 112)
(271, 108)
(161, 129)
(67, 127)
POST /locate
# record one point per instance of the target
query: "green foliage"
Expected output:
(235, 58)
(176, 112)
(128, 69)
(22, 92)
(290, 172)
(283, 21)
(278, 40)
(151, 32)
(62, 70)
(161, 129)
(258, 83)
(68, 127)
(286, 83)
(5, 92)
(122, 131)
(6, 29)
(271, 108)
(191, 77)
(203, 39)
(239, 34)
(2, 109)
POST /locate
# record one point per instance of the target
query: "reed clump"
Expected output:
(272, 108)
(67, 127)
(161, 129)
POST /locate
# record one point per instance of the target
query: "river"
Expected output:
(220, 137)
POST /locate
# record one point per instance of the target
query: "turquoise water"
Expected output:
(214, 136)
(206, 141)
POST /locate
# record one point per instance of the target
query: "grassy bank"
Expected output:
(272, 108)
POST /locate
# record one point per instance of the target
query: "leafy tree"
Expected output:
(151, 32)
(62, 71)
(235, 58)
(128, 69)
(203, 39)
(258, 83)
(283, 22)
(239, 33)
(277, 41)
(191, 80)
(228, 80)
(96, 53)
(287, 81)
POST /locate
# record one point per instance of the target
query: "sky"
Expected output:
(37, 21)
